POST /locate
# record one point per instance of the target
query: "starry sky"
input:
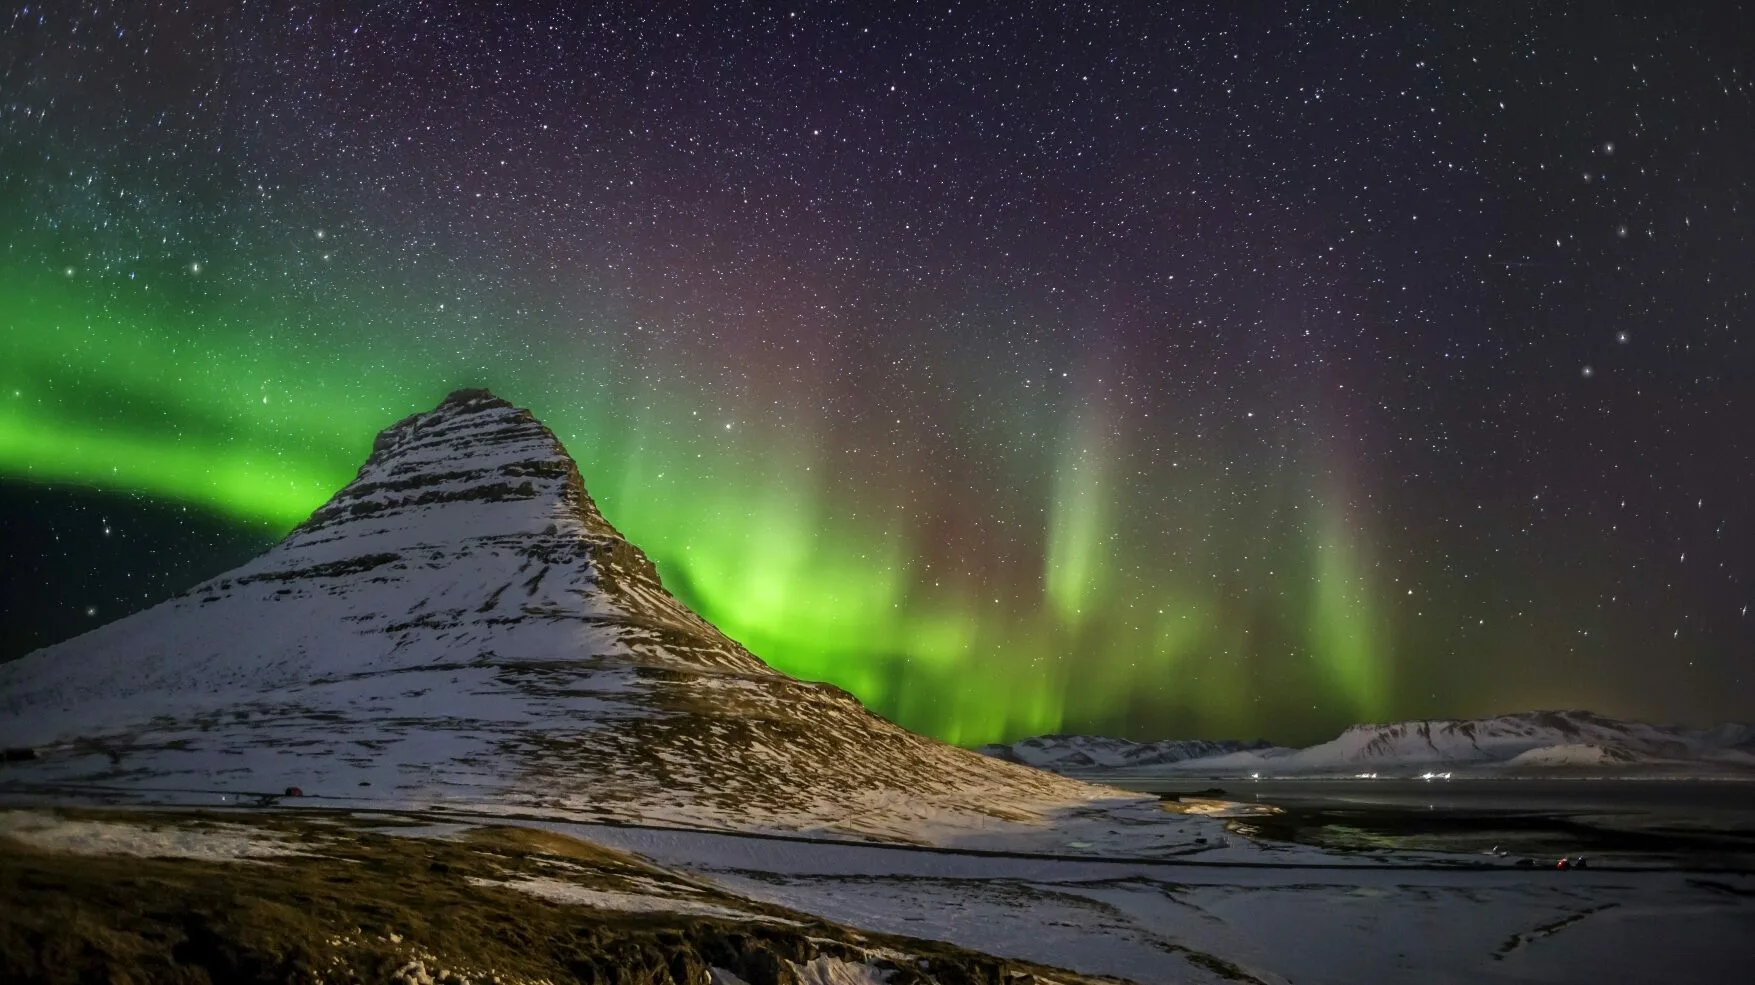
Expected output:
(1153, 370)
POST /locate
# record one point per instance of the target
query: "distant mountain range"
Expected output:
(1516, 744)
(1078, 753)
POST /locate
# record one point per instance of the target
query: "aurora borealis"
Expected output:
(1226, 371)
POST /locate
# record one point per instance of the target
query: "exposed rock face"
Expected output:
(488, 484)
(461, 623)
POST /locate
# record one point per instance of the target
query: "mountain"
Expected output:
(460, 624)
(1092, 752)
(1534, 740)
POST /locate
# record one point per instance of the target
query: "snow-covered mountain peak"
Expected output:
(460, 622)
(466, 537)
(433, 472)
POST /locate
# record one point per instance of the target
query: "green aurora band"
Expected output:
(747, 518)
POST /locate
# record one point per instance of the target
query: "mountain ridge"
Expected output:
(1071, 751)
(1543, 739)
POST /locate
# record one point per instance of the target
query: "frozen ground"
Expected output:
(1222, 909)
(1299, 923)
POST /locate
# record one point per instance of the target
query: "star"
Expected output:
(1012, 319)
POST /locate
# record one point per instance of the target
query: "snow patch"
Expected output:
(825, 970)
(222, 842)
(561, 891)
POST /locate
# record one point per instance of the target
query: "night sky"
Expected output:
(1218, 370)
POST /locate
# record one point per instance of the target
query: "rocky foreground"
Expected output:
(287, 897)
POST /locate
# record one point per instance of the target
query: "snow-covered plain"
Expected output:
(1281, 916)
(1292, 915)
(1306, 923)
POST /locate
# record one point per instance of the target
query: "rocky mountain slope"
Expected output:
(460, 624)
(1534, 740)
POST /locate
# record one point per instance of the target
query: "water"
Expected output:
(1697, 822)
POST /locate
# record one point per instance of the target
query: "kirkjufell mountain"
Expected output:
(460, 624)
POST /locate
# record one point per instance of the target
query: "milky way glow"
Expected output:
(1150, 372)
